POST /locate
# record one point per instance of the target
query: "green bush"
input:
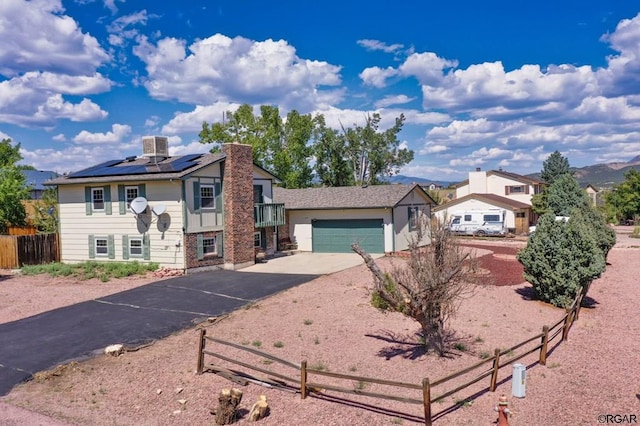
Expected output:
(561, 257)
(91, 269)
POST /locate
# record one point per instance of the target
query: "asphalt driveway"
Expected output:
(132, 318)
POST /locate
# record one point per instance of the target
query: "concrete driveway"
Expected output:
(309, 263)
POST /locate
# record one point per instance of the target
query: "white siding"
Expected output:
(76, 226)
(402, 235)
(474, 204)
(483, 183)
(203, 220)
(266, 181)
(300, 224)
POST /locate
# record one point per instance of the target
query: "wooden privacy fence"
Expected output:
(299, 378)
(16, 251)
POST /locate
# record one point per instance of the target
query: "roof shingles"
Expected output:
(343, 197)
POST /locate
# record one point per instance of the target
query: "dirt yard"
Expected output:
(329, 323)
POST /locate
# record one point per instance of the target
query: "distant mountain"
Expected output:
(407, 180)
(602, 176)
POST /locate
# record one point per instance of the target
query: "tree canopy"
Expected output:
(624, 199)
(357, 155)
(12, 186)
(553, 167)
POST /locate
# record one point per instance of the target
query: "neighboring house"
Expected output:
(592, 192)
(184, 212)
(496, 189)
(431, 186)
(381, 218)
(35, 179)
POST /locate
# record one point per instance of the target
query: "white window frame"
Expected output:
(413, 213)
(126, 194)
(258, 240)
(212, 197)
(209, 246)
(131, 247)
(517, 189)
(99, 247)
(95, 191)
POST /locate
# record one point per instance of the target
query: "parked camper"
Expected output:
(479, 222)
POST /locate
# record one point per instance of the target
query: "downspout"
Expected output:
(393, 228)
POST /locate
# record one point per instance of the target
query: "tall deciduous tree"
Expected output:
(12, 186)
(282, 147)
(624, 199)
(375, 154)
(429, 287)
(332, 165)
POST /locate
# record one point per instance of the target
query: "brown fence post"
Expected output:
(426, 400)
(201, 345)
(545, 343)
(303, 379)
(567, 324)
(496, 367)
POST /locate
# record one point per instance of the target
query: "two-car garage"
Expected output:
(337, 235)
(380, 218)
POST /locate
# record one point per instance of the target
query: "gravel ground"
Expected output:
(329, 323)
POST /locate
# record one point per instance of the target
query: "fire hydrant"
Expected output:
(503, 411)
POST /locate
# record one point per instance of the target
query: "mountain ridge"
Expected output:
(600, 176)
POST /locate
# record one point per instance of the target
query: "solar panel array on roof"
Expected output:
(114, 167)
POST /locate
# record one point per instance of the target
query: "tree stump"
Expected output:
(228, 401)
(259, 410)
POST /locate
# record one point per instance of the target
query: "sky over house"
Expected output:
(481, 84)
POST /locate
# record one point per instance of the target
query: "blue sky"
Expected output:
(481, 84)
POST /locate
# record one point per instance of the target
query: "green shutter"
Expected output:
(88, 202)
(125, 247)
(218, 194)
(142, 190)
(92, 247)
(122, 201)
(107, 199)
(196, 196)
(220, 244)
(200, 247)
(146, 247)
(111, 249)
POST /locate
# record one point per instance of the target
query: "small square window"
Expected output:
(209, 246)
(257, 239)
(207, 197)
(467, 218)
(135, 247)
(131, 192)
(102, 247)
(97, 198)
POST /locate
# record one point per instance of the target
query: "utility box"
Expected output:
(519, 380)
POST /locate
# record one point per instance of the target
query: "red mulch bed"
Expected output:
(504, 271)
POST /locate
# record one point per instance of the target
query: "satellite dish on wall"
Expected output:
(159, 209)
(138, 205)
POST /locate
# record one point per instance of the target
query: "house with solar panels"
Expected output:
(187, 212)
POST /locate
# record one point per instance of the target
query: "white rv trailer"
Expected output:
(479, 222)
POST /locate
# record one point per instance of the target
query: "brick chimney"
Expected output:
(237, 192)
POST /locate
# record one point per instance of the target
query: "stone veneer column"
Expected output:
(237, 190)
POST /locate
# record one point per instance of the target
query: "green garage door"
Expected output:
(336, 236)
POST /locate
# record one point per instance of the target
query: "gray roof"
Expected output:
(494, 199)
(345, 197)
(145, 169)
